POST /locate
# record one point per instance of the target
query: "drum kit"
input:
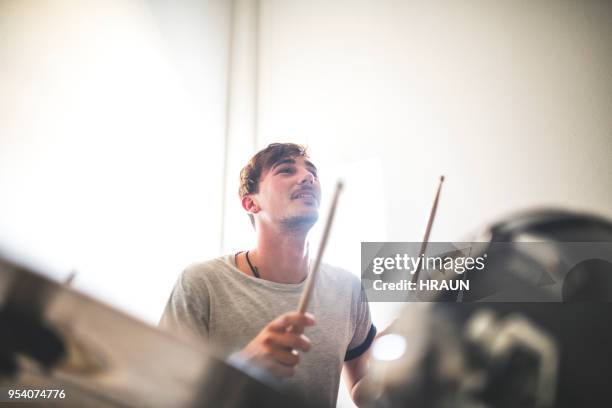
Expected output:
(541, 344)
(459, 353)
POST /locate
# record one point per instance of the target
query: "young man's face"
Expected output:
(289, 193)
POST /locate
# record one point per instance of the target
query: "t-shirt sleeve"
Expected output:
(187, 311)
(365, 331)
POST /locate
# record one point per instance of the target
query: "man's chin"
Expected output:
(301, 221)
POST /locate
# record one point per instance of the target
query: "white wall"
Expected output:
(511, 100)
(112, 123)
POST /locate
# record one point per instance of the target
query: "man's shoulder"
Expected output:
(203, 270)
(340, 277)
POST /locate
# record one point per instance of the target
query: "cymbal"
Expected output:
(109, 358)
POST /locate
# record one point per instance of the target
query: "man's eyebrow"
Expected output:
(285, 161)
(289, 160)
(309, 164)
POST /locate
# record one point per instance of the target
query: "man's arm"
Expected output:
(355, 371)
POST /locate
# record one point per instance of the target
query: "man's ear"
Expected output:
(249, 204)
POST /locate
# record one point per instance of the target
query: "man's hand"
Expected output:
(274, 346)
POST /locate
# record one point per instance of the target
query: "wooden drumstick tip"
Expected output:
(339, 185)
(441, 178)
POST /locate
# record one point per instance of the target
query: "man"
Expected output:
(244, 301)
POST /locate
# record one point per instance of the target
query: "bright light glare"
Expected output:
(389, 347)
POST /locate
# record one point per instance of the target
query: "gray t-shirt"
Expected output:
(217, 302)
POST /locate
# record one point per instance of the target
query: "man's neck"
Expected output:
(281, 257)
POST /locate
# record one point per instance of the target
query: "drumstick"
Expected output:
(432, 215)
(307, 293)
(68, 281)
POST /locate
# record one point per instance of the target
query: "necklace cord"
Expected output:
(253, 268)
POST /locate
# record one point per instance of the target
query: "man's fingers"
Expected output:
(285, 357)
(290, 341)
(277, 344)
(283, 322)
(295, 329)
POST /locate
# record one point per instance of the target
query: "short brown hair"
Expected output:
(264, 160)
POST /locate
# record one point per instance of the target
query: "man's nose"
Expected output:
(307, 177)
